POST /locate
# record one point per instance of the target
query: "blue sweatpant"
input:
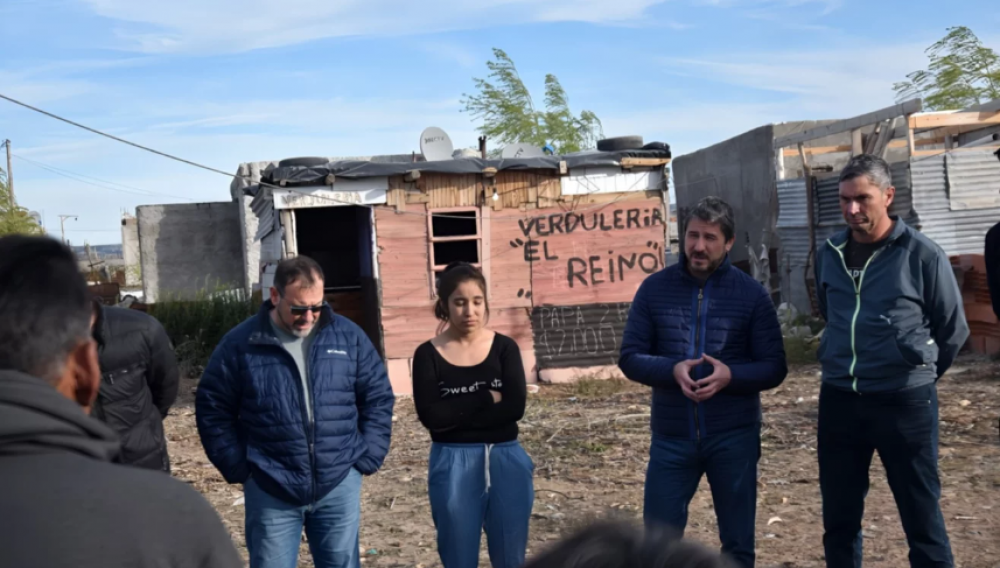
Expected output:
(474, 487)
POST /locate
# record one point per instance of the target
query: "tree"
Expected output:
(509, 116)
(14, 219)
(962, 72)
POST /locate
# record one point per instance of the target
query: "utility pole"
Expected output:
(10, 177)
(62, 225)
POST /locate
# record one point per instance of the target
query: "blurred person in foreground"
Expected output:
(620, 544)
(62, 501)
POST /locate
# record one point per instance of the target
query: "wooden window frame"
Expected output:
(481, 238)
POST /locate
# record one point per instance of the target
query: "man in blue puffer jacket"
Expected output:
(295, 404)
(706, 337)
(895, 323)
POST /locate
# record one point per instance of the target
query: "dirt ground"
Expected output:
(590, 441)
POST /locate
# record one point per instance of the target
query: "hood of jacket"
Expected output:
(36, 419)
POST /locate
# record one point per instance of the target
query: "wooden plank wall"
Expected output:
(403, 257)
(599, 254)
(540, 250)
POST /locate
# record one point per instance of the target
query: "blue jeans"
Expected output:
(465, 500)
(274, 527)
(730, 461)
(903, 428)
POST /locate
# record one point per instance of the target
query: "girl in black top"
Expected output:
(469, 390)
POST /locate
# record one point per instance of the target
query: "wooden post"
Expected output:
(810, 209)
(911, 126)
(857, 143)
(10, 178)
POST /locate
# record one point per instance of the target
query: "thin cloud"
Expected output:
(836, 81)
(228, 26)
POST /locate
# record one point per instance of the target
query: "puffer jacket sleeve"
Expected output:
(164, 376)
(217, 408)
(375, 400)
(768, 367)
(637, 361)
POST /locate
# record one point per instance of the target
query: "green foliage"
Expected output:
(508, 114)
(962, 72)
(801, 350)
(197, 326)
(14, 219)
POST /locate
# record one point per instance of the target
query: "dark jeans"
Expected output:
(903, 428)
(730, 461)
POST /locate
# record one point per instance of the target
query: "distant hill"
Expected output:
(100, 251)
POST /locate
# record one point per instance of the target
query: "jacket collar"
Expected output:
(719, 272)
(839, 239)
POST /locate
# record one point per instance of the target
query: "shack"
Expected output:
(564, 242)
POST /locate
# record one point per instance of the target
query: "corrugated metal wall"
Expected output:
(959, 231)
(792, 203)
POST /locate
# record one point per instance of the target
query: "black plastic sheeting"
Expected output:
(316, 175)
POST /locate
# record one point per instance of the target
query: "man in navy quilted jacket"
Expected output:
(295, 404)
(706, 337)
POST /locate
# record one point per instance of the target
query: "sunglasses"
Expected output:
(301, 310)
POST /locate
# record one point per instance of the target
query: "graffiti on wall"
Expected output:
(578, 336)
(595, 268)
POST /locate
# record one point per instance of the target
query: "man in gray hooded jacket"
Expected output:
(895, 324)
(62, 501)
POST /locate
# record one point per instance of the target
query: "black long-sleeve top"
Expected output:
(454, 402)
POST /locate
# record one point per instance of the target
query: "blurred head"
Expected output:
(611, 544)
(866, 192)
(46, 317)
(297, 295)
(708, 236)
(461, 298)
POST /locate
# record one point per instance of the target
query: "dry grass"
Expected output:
(590, 441)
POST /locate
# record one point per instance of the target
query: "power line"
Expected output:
(79, 177)
(247, 178)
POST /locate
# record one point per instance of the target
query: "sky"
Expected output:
(222, 82)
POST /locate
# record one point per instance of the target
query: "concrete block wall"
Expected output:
(187, 248)
(130, 251)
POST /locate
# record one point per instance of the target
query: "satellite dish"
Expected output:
(36, 216)
(435, 144)
(520, 150)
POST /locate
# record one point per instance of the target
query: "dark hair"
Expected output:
(299, 269)
(874, 168)
(45, 309)
(714, 211)
(455, 274)
(621, 544)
